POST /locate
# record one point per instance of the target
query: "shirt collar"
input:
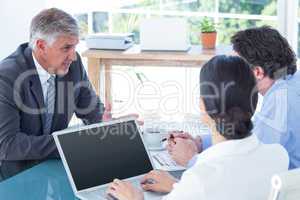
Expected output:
(43, 74)
(230, 148)
(277, 84)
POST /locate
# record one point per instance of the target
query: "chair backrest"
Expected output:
(286, 186)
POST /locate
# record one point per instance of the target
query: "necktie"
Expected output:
(50, 102)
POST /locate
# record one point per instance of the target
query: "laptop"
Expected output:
(94, 155)
(164, 34)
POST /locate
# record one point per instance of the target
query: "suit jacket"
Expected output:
(22, 140)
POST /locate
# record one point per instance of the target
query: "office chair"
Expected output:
(286, 186)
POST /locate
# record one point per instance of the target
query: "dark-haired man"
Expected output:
(273, 63)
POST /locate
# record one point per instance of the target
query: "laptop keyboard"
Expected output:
(100, 194)
(97, 194)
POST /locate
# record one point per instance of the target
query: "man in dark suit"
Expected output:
(42, 84)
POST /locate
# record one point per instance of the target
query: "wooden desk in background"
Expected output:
(133, 56)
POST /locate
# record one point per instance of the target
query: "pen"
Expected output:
(171, 137)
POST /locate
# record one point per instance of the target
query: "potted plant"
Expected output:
(208, 33)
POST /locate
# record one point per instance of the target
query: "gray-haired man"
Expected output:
(42, 84)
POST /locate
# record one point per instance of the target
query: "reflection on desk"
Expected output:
(45, 181)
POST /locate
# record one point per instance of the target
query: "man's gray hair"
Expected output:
(49, 24)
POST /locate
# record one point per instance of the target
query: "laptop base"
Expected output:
(100, 194)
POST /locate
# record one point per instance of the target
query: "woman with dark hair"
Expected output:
(273, 64)
(237, 166)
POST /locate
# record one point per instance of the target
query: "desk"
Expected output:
(46, 181)
(98, 59)
(43, 182)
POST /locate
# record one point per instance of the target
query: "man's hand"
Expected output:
(158, 181)
(107, 116)
(123, 190)
(182, 150)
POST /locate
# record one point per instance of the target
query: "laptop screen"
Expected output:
(97, 156)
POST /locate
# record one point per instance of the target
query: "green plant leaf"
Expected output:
(207, 25)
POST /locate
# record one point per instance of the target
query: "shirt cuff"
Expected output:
(192, 162)
(206, 141)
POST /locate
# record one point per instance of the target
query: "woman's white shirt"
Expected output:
(232, 170)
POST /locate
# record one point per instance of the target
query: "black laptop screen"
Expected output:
(97, 156)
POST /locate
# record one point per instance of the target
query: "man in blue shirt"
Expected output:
(273, 63)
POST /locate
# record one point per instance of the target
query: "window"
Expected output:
(229, 14)
(251, 7)
(241, 14)
(82, 20)
(100, 22)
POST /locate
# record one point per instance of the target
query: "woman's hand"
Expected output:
(158, 181)
(123, 190)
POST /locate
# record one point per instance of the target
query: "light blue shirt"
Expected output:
(278, 121)
(279, 118)
(206, 143)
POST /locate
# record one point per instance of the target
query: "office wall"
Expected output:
(15, 17)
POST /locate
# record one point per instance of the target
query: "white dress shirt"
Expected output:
(43, 75)
(232, 170)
